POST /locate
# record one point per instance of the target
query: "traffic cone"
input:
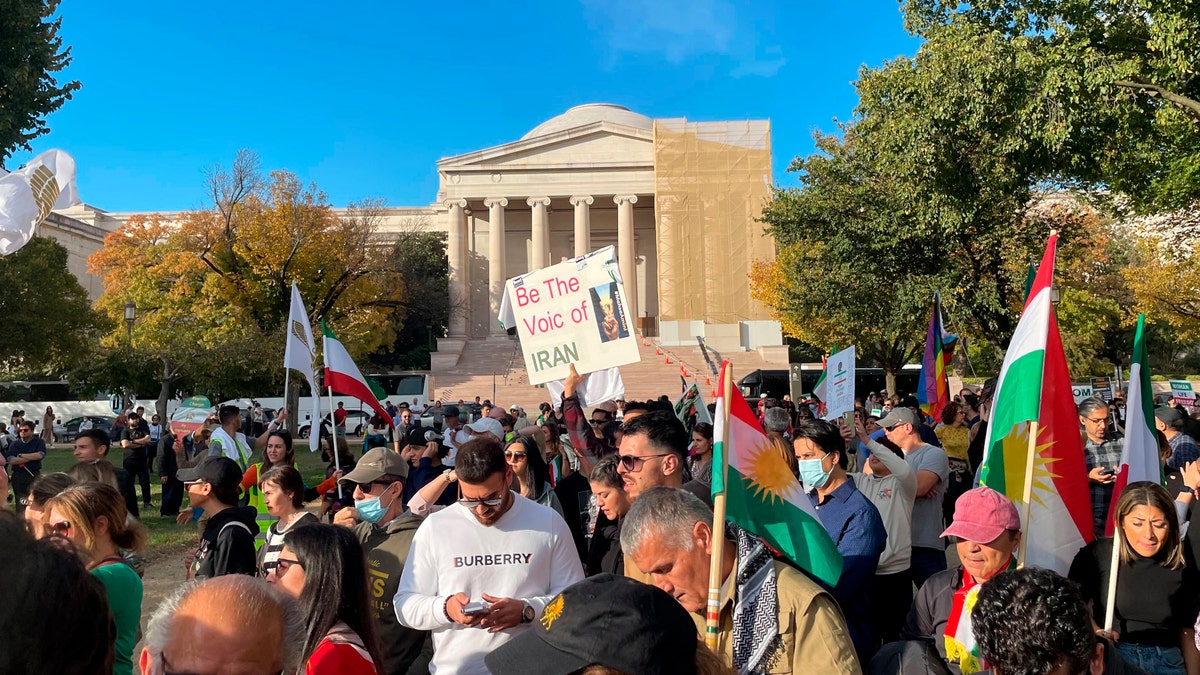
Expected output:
(708, 381)
(657, 351)
(666, 359)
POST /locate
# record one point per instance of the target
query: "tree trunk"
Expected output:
(291, 401)
(889, 378)
(164, 392)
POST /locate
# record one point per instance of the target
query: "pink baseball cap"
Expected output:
(981, 515)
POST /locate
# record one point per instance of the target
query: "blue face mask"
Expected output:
(813, 473)
(370, 510)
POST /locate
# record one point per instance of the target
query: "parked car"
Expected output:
(67, 431)
(356, 421)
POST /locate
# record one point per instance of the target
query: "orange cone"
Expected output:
(708, 382)
(666, 359)
(657, 351)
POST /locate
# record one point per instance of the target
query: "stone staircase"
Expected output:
(492, 368)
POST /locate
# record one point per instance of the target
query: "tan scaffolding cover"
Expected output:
(711, 181)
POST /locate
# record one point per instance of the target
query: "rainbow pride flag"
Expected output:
(933, 391)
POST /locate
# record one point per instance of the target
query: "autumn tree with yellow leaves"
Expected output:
(213, 289)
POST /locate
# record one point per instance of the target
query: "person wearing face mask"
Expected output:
(850, 519)
(385, 530)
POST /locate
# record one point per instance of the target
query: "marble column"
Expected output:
(626, 251)
(583, 224)
(541, 233)
(496, 253)
(456, 251)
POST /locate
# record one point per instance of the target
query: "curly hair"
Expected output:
(1032, 621)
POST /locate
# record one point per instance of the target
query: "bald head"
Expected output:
(235, 624)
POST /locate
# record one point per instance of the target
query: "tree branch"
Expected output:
(1189, 106)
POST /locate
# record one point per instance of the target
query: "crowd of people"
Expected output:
(580, 541)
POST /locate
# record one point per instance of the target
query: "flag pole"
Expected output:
(1111, 605)
(1027, 490)
(713, 615)
(337, 461)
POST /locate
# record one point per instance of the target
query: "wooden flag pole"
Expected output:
(712, 626)
(1111, 605)
(1027, 490)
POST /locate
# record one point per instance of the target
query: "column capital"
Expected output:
(576, 200)
(495, 201)
(538, 201)
(632, 199)
(451, 203)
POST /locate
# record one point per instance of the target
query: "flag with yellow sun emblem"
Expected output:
(761, 494)
(1035, 386)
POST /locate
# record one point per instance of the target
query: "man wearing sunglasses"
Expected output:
(653, 454)
(481, 571)
(932, 468)
(385, 531)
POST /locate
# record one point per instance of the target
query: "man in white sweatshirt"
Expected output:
(493, 547)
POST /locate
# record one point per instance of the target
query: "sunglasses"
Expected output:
(62, 529)
(510, 454)
(599, 423)
(366, 487)
(475, 503)
(634, 463)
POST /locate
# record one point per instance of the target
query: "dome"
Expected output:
(587, 114)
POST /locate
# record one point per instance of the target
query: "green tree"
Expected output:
(424, 312)
(31, 52)
(48, 325)
(1120, 91)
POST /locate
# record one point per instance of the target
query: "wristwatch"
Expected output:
(527, 614)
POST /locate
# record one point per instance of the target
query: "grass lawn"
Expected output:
(165, 534)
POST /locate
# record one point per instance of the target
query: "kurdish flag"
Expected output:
(1035, 387)
(933, 392)
(761, 494)
(1139, 458)
(343, 376)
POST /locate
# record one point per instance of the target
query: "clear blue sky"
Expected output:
(362, 98)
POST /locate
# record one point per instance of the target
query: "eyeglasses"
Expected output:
(597, 423)
(509, 454)
(634, 463)
(62, 529)
(282, 565)
(1096, 420)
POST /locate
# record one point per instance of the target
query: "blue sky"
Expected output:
(363, 98)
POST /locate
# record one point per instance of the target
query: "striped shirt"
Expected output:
(274, 543)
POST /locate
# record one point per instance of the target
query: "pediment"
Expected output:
(599, 144)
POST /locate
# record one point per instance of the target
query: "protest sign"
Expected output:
(1183, 393)
(690, 408)
(1102, 388)
(840, 389)
(573, 312)
(1081, 391)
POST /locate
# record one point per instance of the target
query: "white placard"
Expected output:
(573, 312)
(839, 378)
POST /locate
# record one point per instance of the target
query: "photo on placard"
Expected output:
(610, 319)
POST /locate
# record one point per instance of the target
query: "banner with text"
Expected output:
(573, 312)
(839, 371)
(1182, 393)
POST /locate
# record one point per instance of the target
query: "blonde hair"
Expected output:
(85, 504)
(95, 471)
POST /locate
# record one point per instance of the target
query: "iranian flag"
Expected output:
(1139, 458)
(761, 494)
(1034, 392)
(343, 376)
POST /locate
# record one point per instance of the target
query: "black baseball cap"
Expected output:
(606, 620)
(220, 472)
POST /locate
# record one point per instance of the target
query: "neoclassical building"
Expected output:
(680, 202)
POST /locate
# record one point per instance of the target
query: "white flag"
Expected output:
(28, 194)
(301, 350)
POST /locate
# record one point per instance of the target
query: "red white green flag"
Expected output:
(1035, 386)
(1139, 458)
(344, 377)
(761, 494)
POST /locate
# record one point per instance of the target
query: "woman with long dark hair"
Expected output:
(531, 476)
(324, 568)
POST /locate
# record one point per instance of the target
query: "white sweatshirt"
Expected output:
(893, 495)
(528, 554)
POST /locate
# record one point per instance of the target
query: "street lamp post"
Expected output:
(130, 315)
